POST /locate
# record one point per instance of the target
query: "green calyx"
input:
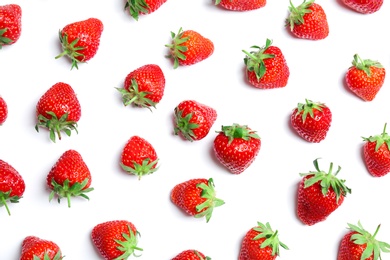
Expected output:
(67, 191)
(147, 167)
(271, 238)
(200, 257)
(327, 180)
(56, 125)
(176, 48)
(136, 7)
(70, 50)
(297, 13)
(307, 108)
(206, 208)
(136, 97)
(379, 139)
(238, 131)
(373, 246)
(4, 40)
(129, 245)
(184, 125)
(47, 257)
(365, 65)
(4, 197)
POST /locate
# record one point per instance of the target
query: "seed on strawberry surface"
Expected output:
(3, 110)
(10, 24)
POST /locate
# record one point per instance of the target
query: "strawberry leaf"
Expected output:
(176, 49)
(254, 60)
(365, 65)
(67, 191)
(271, 238)
(206, 208)
(55, 125)
(5, 196)
(147, 167)
(136, 97)
(296, 13)
(238, 131)
(379, 139)
(136, 7)
(4, 40)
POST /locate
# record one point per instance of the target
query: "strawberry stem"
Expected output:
(3, 202)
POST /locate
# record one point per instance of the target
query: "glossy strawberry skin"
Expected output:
(33, 246)
(251, 250)
(364, 6)
(238, 5)
(11, 22)
(191, 254)
(349, 250)
(3, 111)
(377, 161)
(12, 185)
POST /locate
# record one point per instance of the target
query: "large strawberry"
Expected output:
(35, 248)
(260, 243)
(116, 239)
(3, 110)
(58, 110)
(144, 86)
(69, 177)
(240, 5)
(189, 47)
(266, 67)
(80, 40)
(10, 24)
(12, 185)
(142, 7)
(236, 147)
(191, 254)
(311, 120)
(365, 77)
(193, 120)
(364, 6)
(196, 197)
(320, 194)
(308, 21)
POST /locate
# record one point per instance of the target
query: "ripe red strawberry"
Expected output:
(320, 194)
(193, 120)
(189, 47)
(139, 157)
(144, 86)
(308, 21)
(260, 243)
(239, 5)
(364, 6)
(236, 147)
(69, 177)
(116, 239)
(35, 248)
(3, 110)
(365, 77)
(191, 254)
(266, 67)
(142, 7)
(12, 185)
(196, 197)
(10, 24)
(58, 110)
(311, 120)
(80, 40)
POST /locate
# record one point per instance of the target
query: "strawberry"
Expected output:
(142, 7)
(196, 197)
(80, 40)
(193, 120)
(365, 77)
(189, 47)
(139, 157)
(191, 254)
(144, 86)
(12, 185)
(3, 110)
(236, 147)
(266, 67)
(320, 194)
(260, 243)
(360, 244)
(115, 239)
(364, 6)
(35, 248)
(58, 110)
(10, 24)
(311, 120)
(308, 21)
(239, 5)
(69, 177)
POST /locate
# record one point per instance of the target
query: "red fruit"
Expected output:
(266, 67)
(80, 40)
(319, 194)
(236, 147)
(365, 77)
(10, 24)
(116, 239)
(239, 5)
(193, 120)
(311, 120)
(3, 110)
(69, 177)
(58, 110)
(35, 248)
(189, 47)
(359, 244)
(143, 87)
(191, 254)
(142, 7)
(364, 6)
(260, 243)
(139, 157)
(308, 21)
(12, 185)
(196, 197)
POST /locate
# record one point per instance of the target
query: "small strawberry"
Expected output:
(35, 248)
(311, 120)
(196, 197)
(80, 40)
(69, 177)
(58, 110)
(364, 6)
(139, 157)
(144, 86)
(319, 194)
(308, 21)
(12, 185)
(189, 47)
(142, 7)
(191, 254)
(260, 243)
(365, 77)
(236, 147)
(10, 24)
(3, 110)
(239, 5)
(360, 244)
(116, 239)
(193, 120)
(266, 67)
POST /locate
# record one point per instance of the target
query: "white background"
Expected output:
(265, 192)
